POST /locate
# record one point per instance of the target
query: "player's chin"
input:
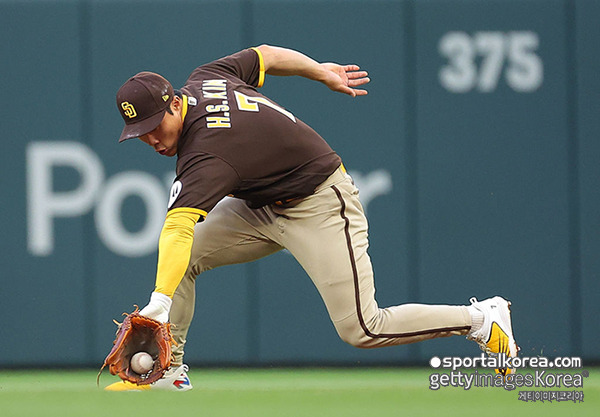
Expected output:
(169, 152)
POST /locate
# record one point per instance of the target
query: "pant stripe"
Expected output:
(357, 289)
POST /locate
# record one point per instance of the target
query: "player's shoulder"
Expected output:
(192, 154)
(247, 54)
(228, 65)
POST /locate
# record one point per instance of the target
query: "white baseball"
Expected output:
(141, 362)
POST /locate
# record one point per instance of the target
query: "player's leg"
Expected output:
(230, 234)
(327, 233)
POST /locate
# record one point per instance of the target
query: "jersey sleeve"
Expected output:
(261, 76)
(247, 65)
(202, 181)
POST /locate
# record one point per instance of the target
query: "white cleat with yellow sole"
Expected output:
(495, 335)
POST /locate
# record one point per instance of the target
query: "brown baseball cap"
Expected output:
(142, 102)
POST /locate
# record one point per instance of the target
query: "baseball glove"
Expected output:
(138, 333)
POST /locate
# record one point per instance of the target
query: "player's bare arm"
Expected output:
(341, 78)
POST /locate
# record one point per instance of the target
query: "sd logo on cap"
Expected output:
(142, 102)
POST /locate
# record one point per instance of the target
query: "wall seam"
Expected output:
(575, 312)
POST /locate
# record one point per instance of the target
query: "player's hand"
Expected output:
(345, 78)
(158, 308)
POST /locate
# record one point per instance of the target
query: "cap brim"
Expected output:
(135, 130)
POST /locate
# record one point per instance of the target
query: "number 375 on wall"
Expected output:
(479, 61)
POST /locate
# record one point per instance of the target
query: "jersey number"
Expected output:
(247, 103)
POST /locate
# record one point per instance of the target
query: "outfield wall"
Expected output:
(476, 152)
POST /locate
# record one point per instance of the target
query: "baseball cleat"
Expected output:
(175, 379)
(495, 335)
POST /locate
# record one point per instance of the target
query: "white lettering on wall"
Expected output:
(105, 197)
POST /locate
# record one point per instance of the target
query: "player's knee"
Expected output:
(355, 336)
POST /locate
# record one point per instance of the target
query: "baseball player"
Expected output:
(253, 179)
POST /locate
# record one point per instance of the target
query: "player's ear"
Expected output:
(177, 103)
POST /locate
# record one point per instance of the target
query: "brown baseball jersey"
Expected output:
(237, 142)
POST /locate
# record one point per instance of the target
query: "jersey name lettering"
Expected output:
(217, 89)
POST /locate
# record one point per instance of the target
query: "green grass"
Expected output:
(277, 392)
